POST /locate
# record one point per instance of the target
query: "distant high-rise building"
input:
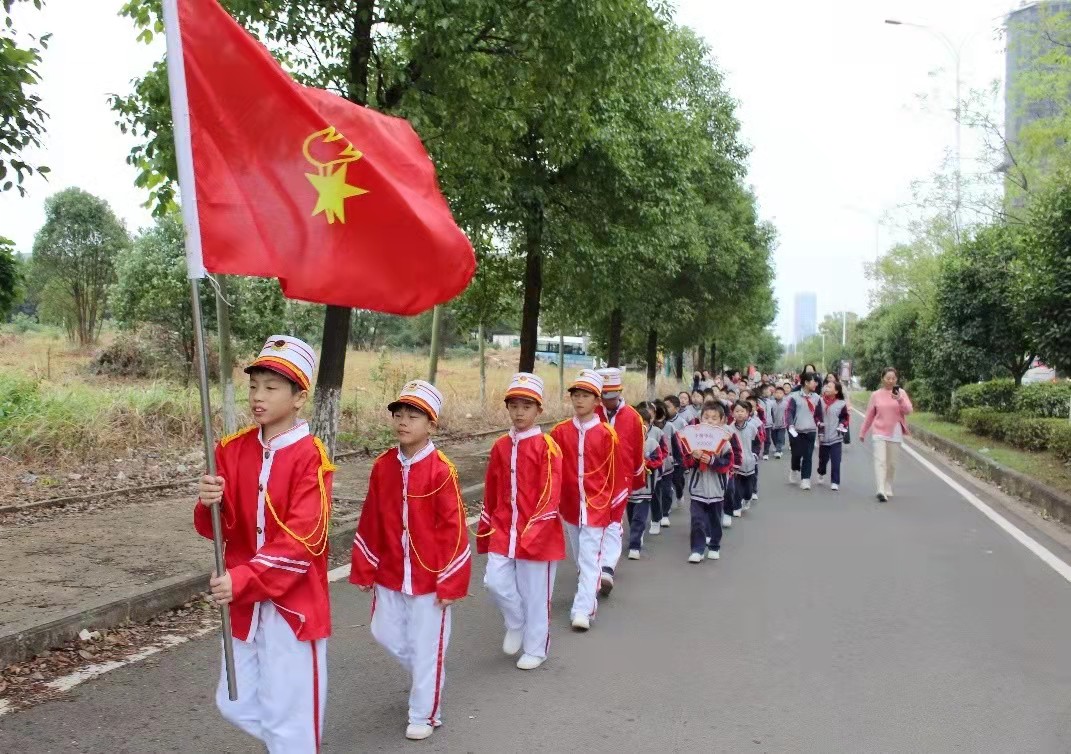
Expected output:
(806, 321)
(1033, 31)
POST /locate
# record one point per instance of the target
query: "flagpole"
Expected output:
(180, 110)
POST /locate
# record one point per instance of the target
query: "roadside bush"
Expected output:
(929, 395)
(1044, 400)
(1023, 432)
(149, 352)
(983, 421)
(995, 394)
(1061, 442)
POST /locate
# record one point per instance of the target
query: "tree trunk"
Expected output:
(533, 286)
(678, 364)
(226, 357)
(701, 358)
(483, 368)
(613, 340)
(561, 367)
(436, 342)
(327, 404)
(652, 363)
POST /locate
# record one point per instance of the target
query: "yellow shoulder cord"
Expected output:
(316, 547)
(461, 529)
(543, 502)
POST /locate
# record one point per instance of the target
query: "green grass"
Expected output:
(1043, 466)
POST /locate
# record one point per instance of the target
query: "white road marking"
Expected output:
(1017, 534)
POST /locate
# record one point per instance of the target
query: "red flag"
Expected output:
(339, 202)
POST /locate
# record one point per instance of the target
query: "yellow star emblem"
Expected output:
(329, 180)
(333, 192)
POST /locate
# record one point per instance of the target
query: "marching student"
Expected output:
(778, 412)
(592, 487)
(707, 481)
(744, 473)
(641, 501)
(835, 419)
(757, 419)
(676, 421)
(273, 486)
(767, 400)
(684, 403)
(519, 528)
(412, 551)
(630, 435)
(803, 417)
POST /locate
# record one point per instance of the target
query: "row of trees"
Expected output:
(590, 150)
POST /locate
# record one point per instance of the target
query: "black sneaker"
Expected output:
(882, 498)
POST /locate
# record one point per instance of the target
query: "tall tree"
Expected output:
(22, 120)
(1045, 293)
(10, 277)
(75, 252)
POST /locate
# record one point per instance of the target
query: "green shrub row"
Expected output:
(1023, 432)
(1037, 401)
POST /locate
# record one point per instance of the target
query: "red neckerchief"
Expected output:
(810, 406)
(829, 401)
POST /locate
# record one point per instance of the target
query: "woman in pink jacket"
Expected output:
(886, 420)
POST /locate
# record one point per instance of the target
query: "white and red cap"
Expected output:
(526, 385)
(589, 380)
(611, 381)
(291, 357)
(422, 395)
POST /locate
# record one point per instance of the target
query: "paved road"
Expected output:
(831, 624)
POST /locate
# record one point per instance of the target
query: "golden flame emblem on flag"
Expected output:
(333, 153)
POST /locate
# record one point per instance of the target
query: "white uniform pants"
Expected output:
(522, 590)
(416, 632)
(282, 686)
(885, 456)
(611, 553)
(586, 547)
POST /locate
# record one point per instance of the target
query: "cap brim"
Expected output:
(413, 403)
(526, 394)
(281, 369)
(586, 388)
(611, 394)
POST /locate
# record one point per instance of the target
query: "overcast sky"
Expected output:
(828, 100)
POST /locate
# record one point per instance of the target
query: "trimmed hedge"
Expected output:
(997, 394)
(1044, 400)
(1023, 432)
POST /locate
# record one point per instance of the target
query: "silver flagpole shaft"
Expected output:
(210, 466)
(180, 112)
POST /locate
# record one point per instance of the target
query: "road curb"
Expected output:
(1052, 502)
(24, 642)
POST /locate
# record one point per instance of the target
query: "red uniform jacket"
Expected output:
(592, 485)
(521, 497)
(628, 425)
(412, 536)
(275, 512)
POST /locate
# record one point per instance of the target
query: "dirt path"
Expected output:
(112, 549)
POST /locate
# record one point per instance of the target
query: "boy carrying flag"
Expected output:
(274, 491)
(520, 529)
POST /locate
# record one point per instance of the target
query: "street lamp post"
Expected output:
(957, 56)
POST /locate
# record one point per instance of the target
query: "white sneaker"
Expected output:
(418, 732)
(713, 554)
(726, 521)
(530, 662)
(633, 554)
(835, 487)
(511, 645)
(656, 528)
(695, 557)
(581, 622)
(766, 457)
(820, 481)
(664, 522)
(777, 455)
(606, 584)
(754, 496)
(793, 477)
(805, 484)
(746, 505)
(738, 513)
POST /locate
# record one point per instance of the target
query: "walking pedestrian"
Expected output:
(886, 415)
